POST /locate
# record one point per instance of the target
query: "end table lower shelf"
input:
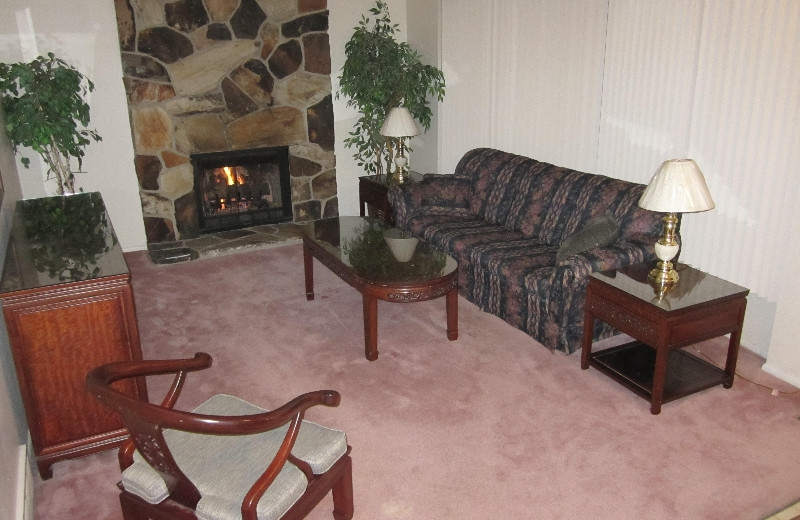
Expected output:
(632, 365)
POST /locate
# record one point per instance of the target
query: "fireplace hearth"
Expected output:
(242, 188)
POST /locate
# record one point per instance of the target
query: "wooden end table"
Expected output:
(699, 307)
(372, 195)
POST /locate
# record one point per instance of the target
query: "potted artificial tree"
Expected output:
(380, 73)
(45, 110)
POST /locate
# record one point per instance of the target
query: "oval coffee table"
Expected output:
(353, 248)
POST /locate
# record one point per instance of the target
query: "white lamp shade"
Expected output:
(400, 123)
(678, 186)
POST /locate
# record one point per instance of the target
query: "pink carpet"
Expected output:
(490, 426)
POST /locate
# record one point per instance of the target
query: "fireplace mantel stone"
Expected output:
(219, 75)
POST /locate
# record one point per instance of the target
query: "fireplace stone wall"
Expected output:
(216, 75)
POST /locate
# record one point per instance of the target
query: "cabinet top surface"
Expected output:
(57, 240)
(388, 180)
(693, 288)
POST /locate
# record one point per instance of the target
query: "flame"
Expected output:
(230, 175)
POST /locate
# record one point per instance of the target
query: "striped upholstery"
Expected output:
(504, 216)
(224, 467)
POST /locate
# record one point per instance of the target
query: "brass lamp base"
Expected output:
(666, 249)
(663, 274)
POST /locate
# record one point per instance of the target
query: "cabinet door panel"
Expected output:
(61, 343)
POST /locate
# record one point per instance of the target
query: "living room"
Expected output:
(606, 87)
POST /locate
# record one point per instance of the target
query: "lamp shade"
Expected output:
(678, 186)
(400, 123)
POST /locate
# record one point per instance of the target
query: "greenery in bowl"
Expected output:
(370, 256)
(380, 73)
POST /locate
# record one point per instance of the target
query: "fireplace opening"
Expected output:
(242, 188)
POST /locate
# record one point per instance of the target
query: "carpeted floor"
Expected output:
(490, 426)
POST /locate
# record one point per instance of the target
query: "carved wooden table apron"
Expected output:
(373, 289)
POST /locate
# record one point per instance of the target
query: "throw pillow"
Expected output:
(599, 231)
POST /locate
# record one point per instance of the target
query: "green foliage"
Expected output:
(380, 73)
(43, 103)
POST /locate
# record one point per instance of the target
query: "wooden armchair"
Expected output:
(227, 459)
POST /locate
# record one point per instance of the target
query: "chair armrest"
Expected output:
(433, 191)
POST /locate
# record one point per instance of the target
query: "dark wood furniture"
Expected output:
(372, 196)
(68, 307)
(699, 307)
(354, 250)
(147, 423)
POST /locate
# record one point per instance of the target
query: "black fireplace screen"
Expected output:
(242, 188)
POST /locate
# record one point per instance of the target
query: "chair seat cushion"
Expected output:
(225, 467)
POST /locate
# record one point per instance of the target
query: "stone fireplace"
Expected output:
(210, 76)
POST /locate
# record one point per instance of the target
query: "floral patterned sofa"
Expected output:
(527, 234)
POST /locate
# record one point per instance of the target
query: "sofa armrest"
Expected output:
(561, 292)
(433, 191)
(577, 268)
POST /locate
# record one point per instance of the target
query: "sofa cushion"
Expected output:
(599, 231)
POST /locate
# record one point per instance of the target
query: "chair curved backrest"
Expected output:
(175, 450)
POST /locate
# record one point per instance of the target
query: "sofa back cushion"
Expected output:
(547, 202)
(495, 177)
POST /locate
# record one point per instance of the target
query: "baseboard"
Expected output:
(24, 499)
(792, 379)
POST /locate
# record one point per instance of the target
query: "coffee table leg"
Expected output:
(451, 305)
(308, 266)
(370, 327)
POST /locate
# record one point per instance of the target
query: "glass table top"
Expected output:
(57, 240)
(693, 288)
(359, 243)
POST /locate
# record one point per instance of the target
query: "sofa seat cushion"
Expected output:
(501, 251)
(224, 467)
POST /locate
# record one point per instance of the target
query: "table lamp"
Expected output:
(400, 124)
(678, 186)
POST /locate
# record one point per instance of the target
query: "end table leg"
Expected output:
(451, 305)
(659, 378)
(586, 348)
(733, 354)
(370, 326)
(308, 268)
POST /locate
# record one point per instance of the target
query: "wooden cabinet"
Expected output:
(68, 306)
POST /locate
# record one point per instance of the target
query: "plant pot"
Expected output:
(401, 246)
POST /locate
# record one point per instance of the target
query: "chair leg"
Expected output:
(342, 492)
(129, 509)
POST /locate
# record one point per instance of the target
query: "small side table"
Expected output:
(373, 199)
(699, 307)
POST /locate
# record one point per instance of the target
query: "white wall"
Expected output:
(617, 86)
(84, 35)
(424, 36)
(13, 430)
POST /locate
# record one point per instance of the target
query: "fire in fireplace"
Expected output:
(242, 188)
